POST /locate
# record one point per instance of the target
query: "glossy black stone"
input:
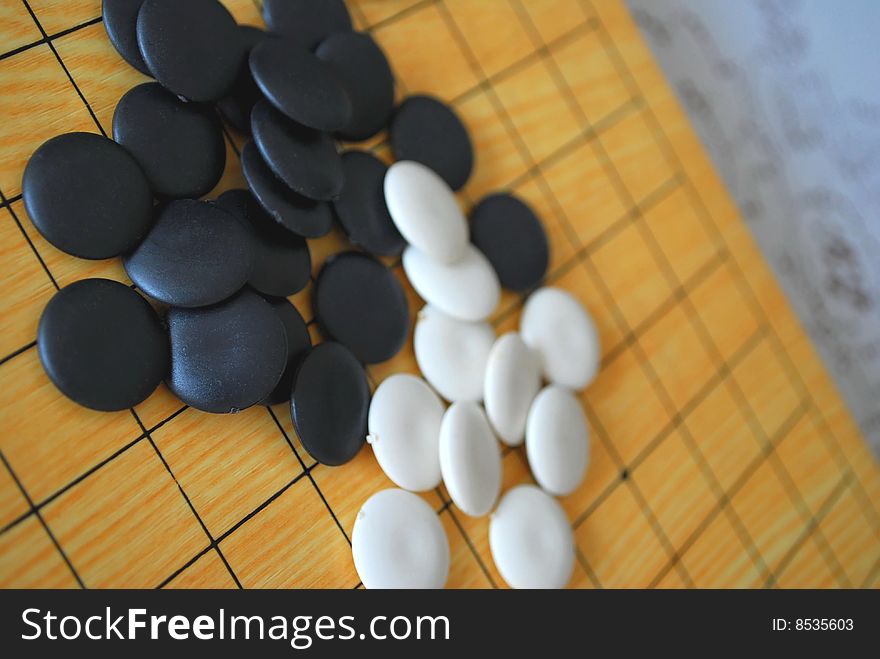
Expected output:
(120, 21)
(179, 145)
(304, 217)
(330, 402)
(193, 47)
(360, 207)
(282, 263)
(306, 21)
(237, 105)
(361, 304)
(303, 87)
(102, 345)
(197, 254)
(428, 131)
(511, 236)
(298, 344)
(305, 159)
(87, 196)
(226, 357)
(364, 71)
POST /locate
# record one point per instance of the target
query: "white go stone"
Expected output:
(452, 354)
(425, 211)
(513, 379)
(404, 424)
(470, 459)
(399, 542)
(467, 289)
(557, 440)
(560, 330)
(531, 540)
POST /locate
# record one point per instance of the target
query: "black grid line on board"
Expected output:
(668, 272)
(237, 525)
(725, 503)
(64, 67)
(541, 51)
(470, 544)
(707, 389)
(792, 374)
(189, 503)
(39, 258)
(311, 478)
(51, 37)
(527, 156)
(35, 508)
(873, 578)
(812, 529)
(5, 201)
(696, 322)
(742, 281)
(17, 352)
(42, 521)
(663, 264)
(607, 122)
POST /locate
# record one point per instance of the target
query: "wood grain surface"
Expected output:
(722, 454)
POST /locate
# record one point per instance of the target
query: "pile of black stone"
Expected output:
(220, 330)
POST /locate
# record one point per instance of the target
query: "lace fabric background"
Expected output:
(786, 97)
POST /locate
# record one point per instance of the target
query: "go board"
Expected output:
(722, 453)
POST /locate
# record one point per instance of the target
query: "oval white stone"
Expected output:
(467, 289)
(404, 423)
(560, 330)
(399, 542)
(452, 354)
(531, 540)
(513, 379)
(470, 459)
(557, 440)
(425, 211)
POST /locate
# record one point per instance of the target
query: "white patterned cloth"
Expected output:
(786, 96)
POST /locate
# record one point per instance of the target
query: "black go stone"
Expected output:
(360, 207)
(102, 345)
(282, 263)
(192, 47)
(236, 107)
(305, 159)
(120, 21)
(197, 254)
(87, 196)
(306, 21)
(511, 236)
(366, 74)
(329, 404)
(429, 131)
(359, 303)
(298, 344)
(304, 217)
(179, 145)
(226, 357)
(300, 85)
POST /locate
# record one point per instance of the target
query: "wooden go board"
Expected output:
(722, 454)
